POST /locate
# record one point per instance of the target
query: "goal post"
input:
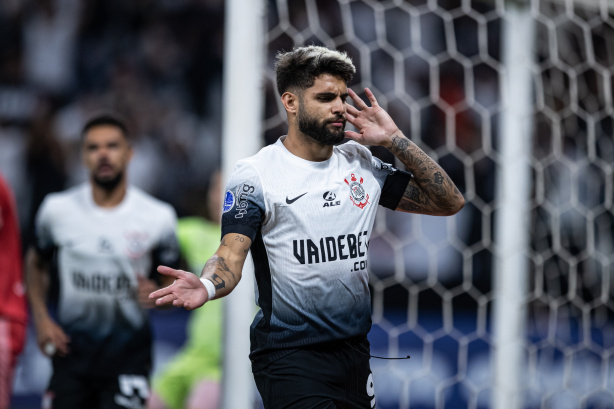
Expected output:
(512, 216)
(242, 137)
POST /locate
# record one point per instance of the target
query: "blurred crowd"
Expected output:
(158, 63)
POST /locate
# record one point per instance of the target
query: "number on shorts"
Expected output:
(129, 384)
(371, 389)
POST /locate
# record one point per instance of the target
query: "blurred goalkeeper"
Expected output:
(107, 237)
(305, 207)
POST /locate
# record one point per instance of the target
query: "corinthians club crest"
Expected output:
(358, 196)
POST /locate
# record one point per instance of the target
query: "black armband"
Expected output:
(394, 188)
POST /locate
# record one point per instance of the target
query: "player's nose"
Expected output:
(338, 106)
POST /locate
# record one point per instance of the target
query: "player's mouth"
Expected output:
(337, 122)
(104, 168)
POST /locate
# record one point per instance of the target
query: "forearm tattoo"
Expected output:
(218, 281)
(431, 191)
(218, 271)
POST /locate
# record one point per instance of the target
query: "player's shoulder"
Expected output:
(354, 150)
(147, 203)
(263, 162)
(66, 198)
(58, 206)
(262, 158)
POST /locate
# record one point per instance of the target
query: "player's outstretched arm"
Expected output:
(431, 191)
(223, 269)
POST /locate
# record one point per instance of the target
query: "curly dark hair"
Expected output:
(297, 70)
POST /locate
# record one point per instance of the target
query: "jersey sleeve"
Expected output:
(43, 234)
(392, 181)
(244, 208)
(167, 250)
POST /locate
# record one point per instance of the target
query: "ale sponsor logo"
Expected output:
(329, 199)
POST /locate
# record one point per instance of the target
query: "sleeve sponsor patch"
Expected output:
(229, 201)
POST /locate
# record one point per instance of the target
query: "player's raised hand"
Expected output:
(187, 291)
(374, 125)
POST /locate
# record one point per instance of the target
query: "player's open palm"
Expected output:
(374, 125)
(187, 291)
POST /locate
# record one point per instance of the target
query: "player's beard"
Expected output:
(109, 184)
(318, 130)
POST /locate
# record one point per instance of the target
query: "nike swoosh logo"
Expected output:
(290, 201)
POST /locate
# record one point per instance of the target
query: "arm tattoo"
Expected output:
(221, 272)
(412, 193)
(210, 262)
(407, 206)
(431, 191)
(414, 200)
(218, 281)
(222, 267)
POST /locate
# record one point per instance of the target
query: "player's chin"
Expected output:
(336, 135)
(105, 179)
(105, 176)
(340, 138)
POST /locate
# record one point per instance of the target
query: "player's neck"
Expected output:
(109, 198)
(305, 148)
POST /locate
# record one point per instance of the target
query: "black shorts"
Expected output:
(69, 390)
(323, 376)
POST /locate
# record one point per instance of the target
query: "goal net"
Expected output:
(438, 67)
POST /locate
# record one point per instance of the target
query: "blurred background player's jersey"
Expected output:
(100, 253)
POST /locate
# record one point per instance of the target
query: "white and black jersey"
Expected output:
(310, 224)
(100, 253)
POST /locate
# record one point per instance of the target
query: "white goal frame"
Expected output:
(244, 53)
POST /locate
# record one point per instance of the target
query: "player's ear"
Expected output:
(290, 102)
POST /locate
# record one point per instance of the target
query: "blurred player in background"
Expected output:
(107, 236)
(191, 380)
(305, 206)
(13, 314)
